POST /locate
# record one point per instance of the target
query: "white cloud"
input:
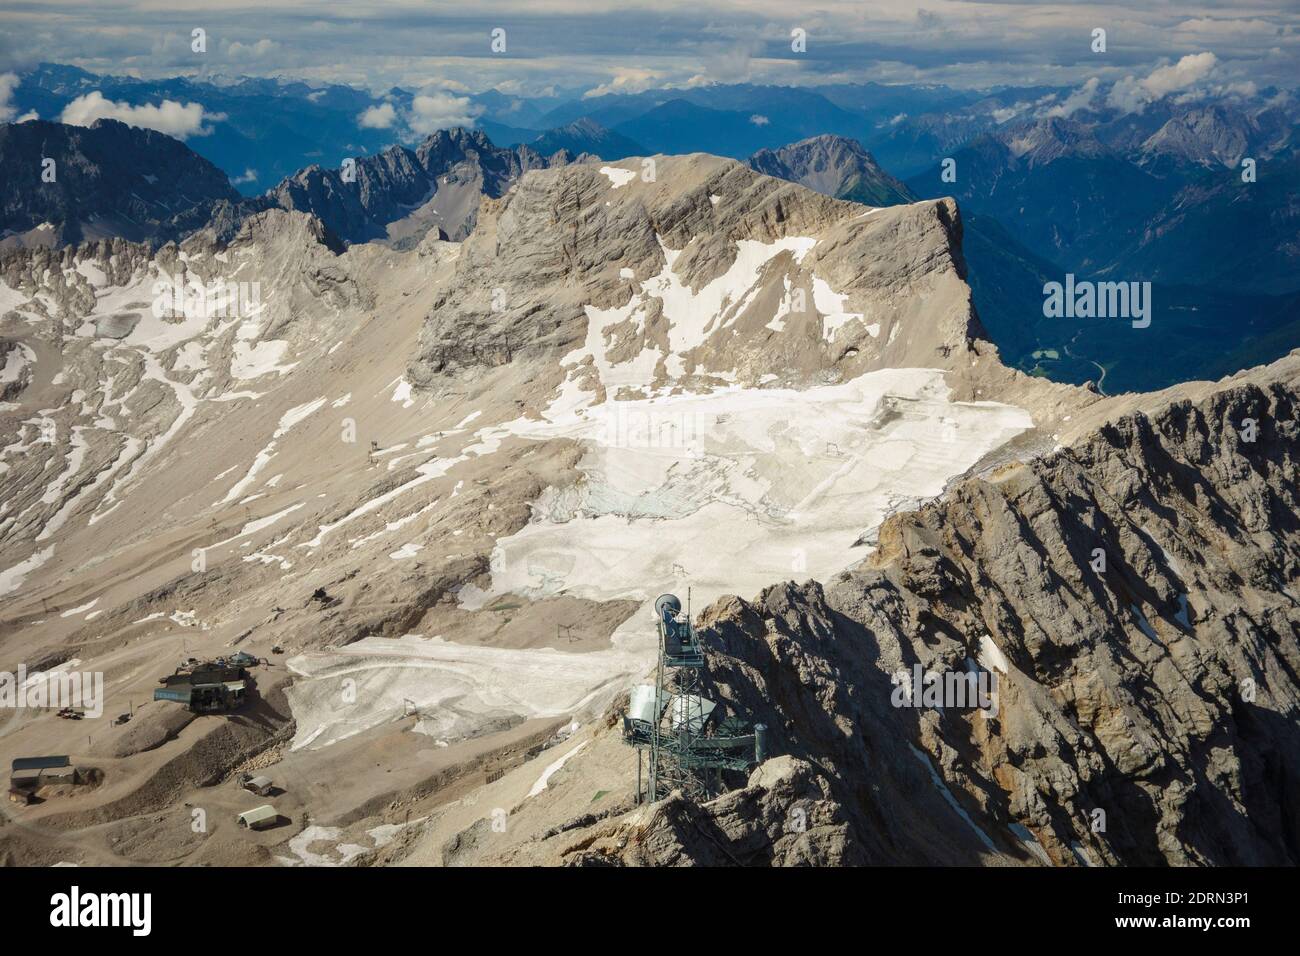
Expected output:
(251, 51)
(622, 46)
(1217, 28)
(1005, 113)
(250, 176)
(1132, 95)
(613, 44)
(8, 83)
(758, 119)
(170, 117)
(731, 62)
(435, 111)
(1127, 95)
(382, 116)
(627, 80)
(1190, 69)
(1079, 99)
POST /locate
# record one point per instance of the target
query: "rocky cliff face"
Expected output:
(357, 210)
(1135, 597)
(443, 178)
(606, 261)
(118, 181)
(786, 815)
(110, 180)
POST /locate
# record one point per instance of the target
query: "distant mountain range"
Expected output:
(1129, 212)
(834, 166)
(114, 180)
(1211, 313)
(261, 131)
(1155, 194)
(401, 194)
(69, 184)
(581, 136)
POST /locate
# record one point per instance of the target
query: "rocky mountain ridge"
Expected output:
(834, 166)
(70, 184)
(437, 185)
(119, 181)
(554, 249)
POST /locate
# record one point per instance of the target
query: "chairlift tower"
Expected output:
(671, 720)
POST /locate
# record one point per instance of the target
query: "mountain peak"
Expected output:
(113, 179)
(566, 241)
(586, 125)
(1206, 134)
(1044, 140)
(589, 137)
(835, 166)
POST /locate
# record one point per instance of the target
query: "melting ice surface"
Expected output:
(455, 688)
(734, 490)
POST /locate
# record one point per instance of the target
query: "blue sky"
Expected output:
(627, 45)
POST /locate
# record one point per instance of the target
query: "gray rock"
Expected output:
(1148, 711)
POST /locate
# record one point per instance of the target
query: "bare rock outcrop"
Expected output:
(1134, 596)
(68, 184)
(852, 290)
(446, 174)
(785, 816)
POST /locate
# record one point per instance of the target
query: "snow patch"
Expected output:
(402, 393)
(253, 361)
(618, 177)
(12, 579)
(456, 689)
(950, 799)
(552, 769)
(991, 657)
(80, 610)
(19, 358)
(831, 306)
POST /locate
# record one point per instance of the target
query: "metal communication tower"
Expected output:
(674, 722)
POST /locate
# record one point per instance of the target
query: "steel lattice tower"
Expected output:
(674, 725)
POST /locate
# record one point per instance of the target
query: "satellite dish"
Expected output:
(668, 606)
